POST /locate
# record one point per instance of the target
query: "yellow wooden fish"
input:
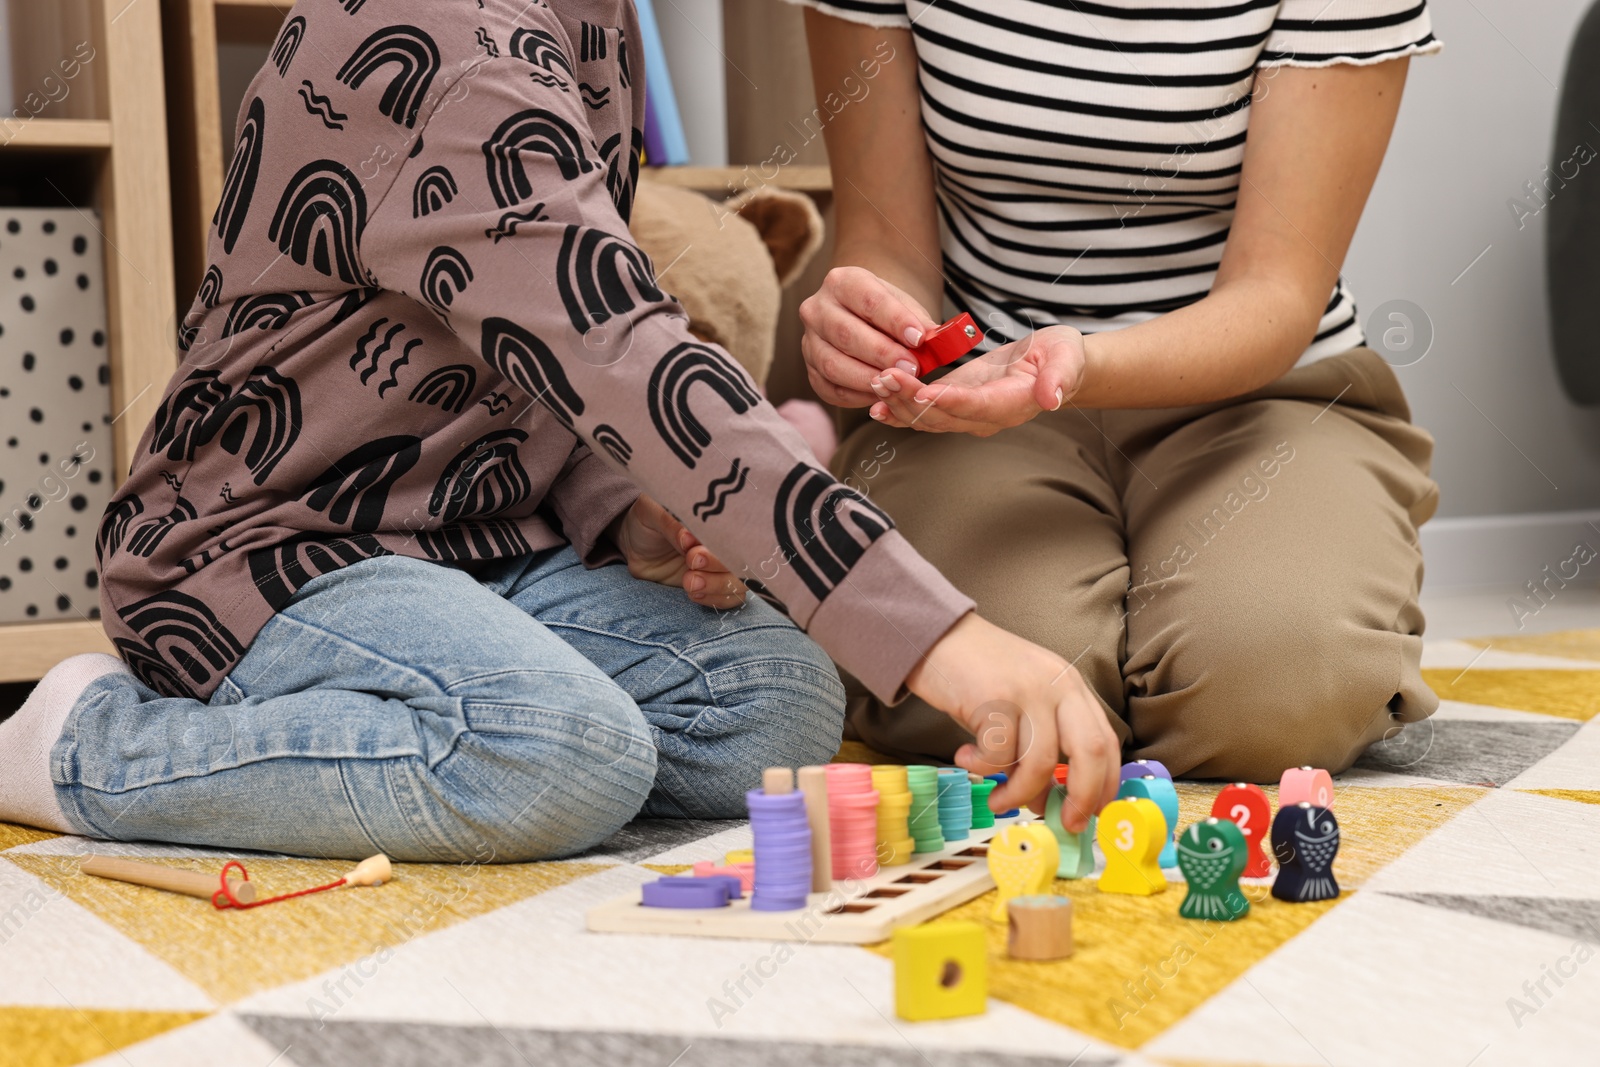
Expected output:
(1022, 862)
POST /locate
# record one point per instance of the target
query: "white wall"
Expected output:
(1477, 122)
(691, 34)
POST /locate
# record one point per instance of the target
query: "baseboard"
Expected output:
(1484, 552)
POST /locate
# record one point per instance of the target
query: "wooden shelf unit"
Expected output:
(61, 133)
(126, 150)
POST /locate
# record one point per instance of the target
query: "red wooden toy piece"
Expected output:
(1307, 785)
(1247, 807)
(947, 344)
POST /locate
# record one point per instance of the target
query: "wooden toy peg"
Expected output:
(814, 784)
(1306, 841)
(941, 971)
(776, 780)
(1077, 850)
(1130, 834)
(1212, 855)
(1247, 807)
(1310, 785)
(1022, 862)
(155, 876)
(1040, 928)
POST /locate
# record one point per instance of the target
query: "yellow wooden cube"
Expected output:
(941, 971)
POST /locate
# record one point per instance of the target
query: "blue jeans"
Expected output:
(406, 707)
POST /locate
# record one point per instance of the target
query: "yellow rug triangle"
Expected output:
(59, 1037)
(12, 835)
(1566, 694)
(296, 938)
(1140, 968)
(1377, 825)
(1582, 796)
(1568, 644)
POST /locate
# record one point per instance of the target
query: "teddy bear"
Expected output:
(728, 262)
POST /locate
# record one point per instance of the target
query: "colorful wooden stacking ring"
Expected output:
(947, 344)
(1305, 785)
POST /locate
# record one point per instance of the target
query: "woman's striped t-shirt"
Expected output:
(1087, 155)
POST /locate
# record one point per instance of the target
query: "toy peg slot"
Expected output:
(980, 851)
(920, 879)
(948, 865)
(850, 909)
(888, 893)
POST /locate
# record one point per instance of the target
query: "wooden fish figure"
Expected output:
(1212, 854)
(1306, 840)
(1141, 767)
(1165, 795)
(1246, 806)
(1022, 862)
(1130, 834)
(1310, 784)
(1077, 850)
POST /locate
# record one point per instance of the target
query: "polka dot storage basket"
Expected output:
(55, 413)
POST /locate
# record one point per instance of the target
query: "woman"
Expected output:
(1176, 466)
(368, 567)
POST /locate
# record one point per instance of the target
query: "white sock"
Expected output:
(27, 795)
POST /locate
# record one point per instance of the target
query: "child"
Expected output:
(361, 569)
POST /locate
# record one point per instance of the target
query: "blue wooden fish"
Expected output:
(1305, 839)
(1162, 792)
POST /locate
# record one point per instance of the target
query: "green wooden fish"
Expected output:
(1212, 856)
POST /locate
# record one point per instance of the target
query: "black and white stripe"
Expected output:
(1087, 154)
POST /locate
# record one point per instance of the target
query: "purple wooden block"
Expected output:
(677, 891)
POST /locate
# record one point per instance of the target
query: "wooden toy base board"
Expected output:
(854, 913)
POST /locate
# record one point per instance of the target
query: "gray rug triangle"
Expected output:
(1563, 916)
(1468, 752)
(338, 1044)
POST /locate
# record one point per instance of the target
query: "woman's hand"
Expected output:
(858, 325)
(997, 390)
(1025, 707)
(660, 549)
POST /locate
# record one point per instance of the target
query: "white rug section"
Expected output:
(85, 846)
(569, 979)
(41, 930)
(1341, 994)
(1507, 844)
(1575, 765)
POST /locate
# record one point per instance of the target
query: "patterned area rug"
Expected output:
(1465, 936)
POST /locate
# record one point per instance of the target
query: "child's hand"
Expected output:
(660, 549)
(1024, 706)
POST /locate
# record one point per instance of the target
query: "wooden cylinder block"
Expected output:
(1040, 928)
